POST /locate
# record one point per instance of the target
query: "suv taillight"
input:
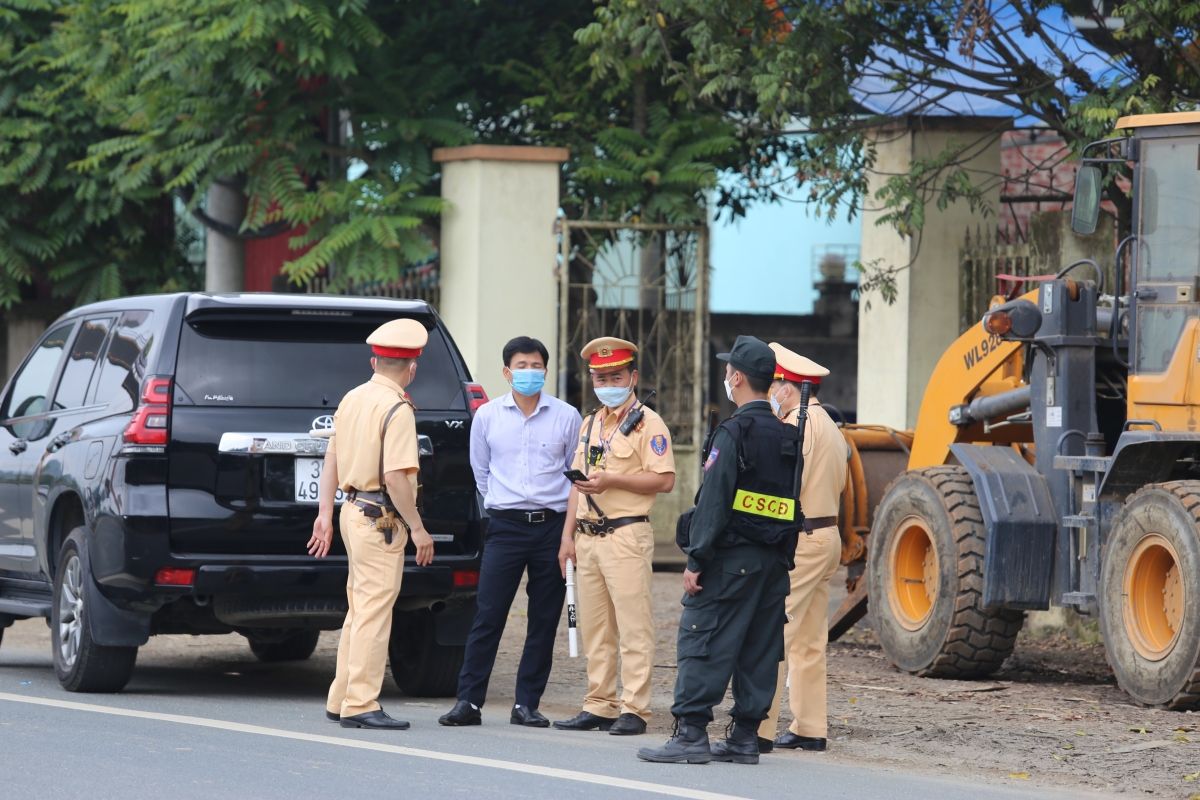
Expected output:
(153, 414)
(476, 397)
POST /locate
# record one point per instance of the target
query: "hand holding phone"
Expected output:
(574, 475)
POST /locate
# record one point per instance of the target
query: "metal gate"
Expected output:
(648, 284)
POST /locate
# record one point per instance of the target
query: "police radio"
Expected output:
(635, 417)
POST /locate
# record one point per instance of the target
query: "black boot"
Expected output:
(740, 744)
(688, 745)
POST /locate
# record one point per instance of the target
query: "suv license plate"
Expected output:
(308, 481)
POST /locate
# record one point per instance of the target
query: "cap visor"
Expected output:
(723, 356)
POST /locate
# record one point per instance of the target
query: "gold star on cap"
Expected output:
(608, 353)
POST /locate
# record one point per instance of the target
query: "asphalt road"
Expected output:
(199, 724)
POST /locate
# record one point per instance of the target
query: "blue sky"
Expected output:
(763, 263)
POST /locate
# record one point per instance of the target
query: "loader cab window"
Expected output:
(1168, 262)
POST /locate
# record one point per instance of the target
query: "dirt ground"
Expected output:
(1051, 717)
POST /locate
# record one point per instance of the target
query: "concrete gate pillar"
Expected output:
(899, 344)
(498, 252)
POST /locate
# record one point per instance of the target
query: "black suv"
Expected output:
(159, 474)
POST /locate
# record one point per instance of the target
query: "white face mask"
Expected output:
(613, 396)
(728, 390)
(776, 408)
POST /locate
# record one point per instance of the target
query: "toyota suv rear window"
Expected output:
(297, 363)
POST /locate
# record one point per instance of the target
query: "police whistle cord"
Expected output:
(572, 617)
(801, 424)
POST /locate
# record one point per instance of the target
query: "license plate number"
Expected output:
(308, 481)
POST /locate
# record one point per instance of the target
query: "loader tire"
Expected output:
(925, 579)
(1150, 595)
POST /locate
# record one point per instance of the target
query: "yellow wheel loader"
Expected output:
(1056, 457)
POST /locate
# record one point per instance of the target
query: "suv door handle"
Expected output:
(57, 442)
(18, 447)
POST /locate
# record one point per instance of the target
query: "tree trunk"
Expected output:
(225, 256)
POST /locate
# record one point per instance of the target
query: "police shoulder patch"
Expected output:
(712, 458)
(659, 444)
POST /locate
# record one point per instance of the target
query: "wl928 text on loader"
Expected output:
(1056, 458)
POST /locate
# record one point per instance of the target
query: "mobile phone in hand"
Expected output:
(575, 476)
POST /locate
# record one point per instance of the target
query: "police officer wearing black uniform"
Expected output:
(743, 528)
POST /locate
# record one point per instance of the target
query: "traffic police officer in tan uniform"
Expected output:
(373, 457)
(817, 556)
(625, 450)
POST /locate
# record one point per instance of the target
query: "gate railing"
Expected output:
(646, 283)
(982, 257)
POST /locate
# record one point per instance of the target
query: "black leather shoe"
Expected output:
(628, 725)
(529, 717)
(463, 713)
(790, 741)
(739, 746)
(688, 745)
(765, 745)
(585, 721)
(376, 720)
(332, 716)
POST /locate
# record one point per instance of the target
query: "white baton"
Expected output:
(572, 633)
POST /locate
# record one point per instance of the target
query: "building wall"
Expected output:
(828, 336)
(900, 343)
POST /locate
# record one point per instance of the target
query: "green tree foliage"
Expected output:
(324, 113)
(278, 99)
(78, 234)
(833, 69)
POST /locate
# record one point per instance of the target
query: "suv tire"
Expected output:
(292, 646)
(80, 663)
(420, 666)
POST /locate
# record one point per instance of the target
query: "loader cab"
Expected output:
(1164, 258)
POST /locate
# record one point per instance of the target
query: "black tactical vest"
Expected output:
(764, 500)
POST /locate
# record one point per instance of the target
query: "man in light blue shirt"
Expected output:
(521, 443)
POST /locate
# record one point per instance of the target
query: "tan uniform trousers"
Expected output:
(613, 576)
(805, 636)
(376, 569)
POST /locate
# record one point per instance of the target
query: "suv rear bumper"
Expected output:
(277, 576)
(433, 581)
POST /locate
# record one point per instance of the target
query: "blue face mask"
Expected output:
(613, 396)
(528, 382)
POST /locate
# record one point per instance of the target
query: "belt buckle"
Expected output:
(535, 517)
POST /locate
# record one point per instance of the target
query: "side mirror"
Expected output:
(1085, 210)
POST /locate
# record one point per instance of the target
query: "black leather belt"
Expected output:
(604, 527)
(816, 523)
(520, 515)
(377, 498)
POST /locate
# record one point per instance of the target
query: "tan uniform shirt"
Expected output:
(358, 423)
(646, 449)
(826, 463)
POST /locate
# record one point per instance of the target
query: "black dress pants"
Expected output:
(510, 549)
